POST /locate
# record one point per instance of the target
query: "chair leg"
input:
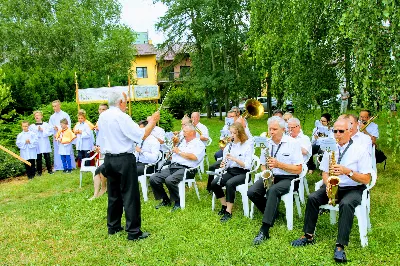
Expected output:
(289, 211)
(80, 179)
(306, 186)
(196, 189)
(360, 213)
(143, 183)
(332, 216)
(251, 210)
(245, 201)
(182, 194)
(297, 200)
(213, 202)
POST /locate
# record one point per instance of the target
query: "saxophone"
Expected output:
(267, 175)
(333, 182)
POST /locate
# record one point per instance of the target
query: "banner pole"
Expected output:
(77, 91)
(129, 93)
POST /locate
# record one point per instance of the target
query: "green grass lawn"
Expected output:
(49, 220)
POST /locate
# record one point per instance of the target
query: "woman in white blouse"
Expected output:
(236, 163)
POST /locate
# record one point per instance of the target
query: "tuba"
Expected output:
(267, 175)
(253, 109)
(333, 182)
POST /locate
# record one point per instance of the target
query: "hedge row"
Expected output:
(10, 167)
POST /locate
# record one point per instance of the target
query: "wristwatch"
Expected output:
(351, 173)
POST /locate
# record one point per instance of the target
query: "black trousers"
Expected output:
(30, 170)
(268, 201)
(349, 198)
(310, 164)
(234, 176)
(218, 154)
(39, 162)
(171, 176)
(83, 155)
(212, 168)
(123, 192)
(140, 168)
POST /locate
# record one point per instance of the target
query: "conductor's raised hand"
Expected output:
(154, 117)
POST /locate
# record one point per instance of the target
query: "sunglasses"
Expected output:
(339, 130)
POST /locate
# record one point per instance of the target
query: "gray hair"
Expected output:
(349, 124)
(114, 98)
(294, 120)
(278, 119)
(190, 126)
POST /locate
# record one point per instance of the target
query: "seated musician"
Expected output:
(285, 160)
(353, 167)
(200, 128)
(158, 133)
(188, 153)
(296, 133)
(324, 126)
(372, 129)
(236, 162)
(146, 152)
(278, 113)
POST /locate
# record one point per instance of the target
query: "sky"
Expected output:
(142, 15)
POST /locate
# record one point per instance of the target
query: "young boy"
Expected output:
(43, 131)
(27, 142)
(65, 136)
(84, 137)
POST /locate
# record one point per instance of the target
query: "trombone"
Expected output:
(366, 124)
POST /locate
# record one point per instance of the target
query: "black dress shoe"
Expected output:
(175, 208)
(302, 241)
(260, 238)
(163, 203)
(140, 236)
(112, 231)
(227, 216)
(339, 255)
(222, 211)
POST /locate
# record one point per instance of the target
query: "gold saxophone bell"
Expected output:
(253, 108)
(268, 179)
(333, 182)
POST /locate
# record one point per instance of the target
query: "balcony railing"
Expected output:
(173, 76)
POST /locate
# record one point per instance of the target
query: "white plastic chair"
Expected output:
(209, 141)
(373, 158)
(361, 212)
(84, 168)
(190, 182)
(288, 198)
(143, 178)
(255, 164)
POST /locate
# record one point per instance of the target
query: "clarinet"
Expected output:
(225, 162)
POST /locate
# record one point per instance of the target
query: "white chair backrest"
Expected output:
(209, 141)
(374, 177)
(160, 156)
(255, 163)
(304, 170)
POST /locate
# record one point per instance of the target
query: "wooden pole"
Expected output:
(129, 93)
(109, 84)
(15, 155)
(77, 91)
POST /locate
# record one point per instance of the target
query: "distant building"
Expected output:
(141, 38)
(144, 66)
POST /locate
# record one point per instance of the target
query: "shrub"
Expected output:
(10, 166)
(181, 100)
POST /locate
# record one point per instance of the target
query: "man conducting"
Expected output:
(118, 135)
(187, 154)
(353, 167)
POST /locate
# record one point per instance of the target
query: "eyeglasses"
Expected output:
(339, 130)
(293, 127)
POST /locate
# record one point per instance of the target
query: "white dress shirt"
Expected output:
(84, 140)
(56, 118)
(150, 148)
(244, 152)
(204, 132)
(363, 140)
(306, 144)
(28, 151)
(289, 153)
(356, 158)
(43, 137)
(195, 146)
(118, 132)
(373, 130)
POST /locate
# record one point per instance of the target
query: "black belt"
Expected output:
(118, 154)
(179, 165)
(286, 176)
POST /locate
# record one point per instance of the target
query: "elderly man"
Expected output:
(187, 154)
(353, 167)
(54, 123)
(118, 135)
(295, 132)
(372, 129)
(202, 130)
(284, 158)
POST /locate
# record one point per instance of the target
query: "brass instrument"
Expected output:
(333, 182)
(366, 124)
(267, 175)
(198, 130)
(223, 142)
(253, 108)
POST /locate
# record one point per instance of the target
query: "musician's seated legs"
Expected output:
(256, 194)
(156, 182)
(140, 168)
(219, 154)
(172, 182)
(212, 168)
(219, 192)
(310, 164)
(99, 182)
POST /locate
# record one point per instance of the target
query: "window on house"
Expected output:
(141, 72)
(184, 71)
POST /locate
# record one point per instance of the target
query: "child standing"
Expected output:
(27, 142)
(84, 137)
(65, 136)
(43, 131)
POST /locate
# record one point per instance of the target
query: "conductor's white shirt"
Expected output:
(118, 132)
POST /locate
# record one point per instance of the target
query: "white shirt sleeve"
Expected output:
(130, 129)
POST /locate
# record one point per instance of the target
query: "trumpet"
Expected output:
(366, 124)
(267, 175)
(333, 182)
